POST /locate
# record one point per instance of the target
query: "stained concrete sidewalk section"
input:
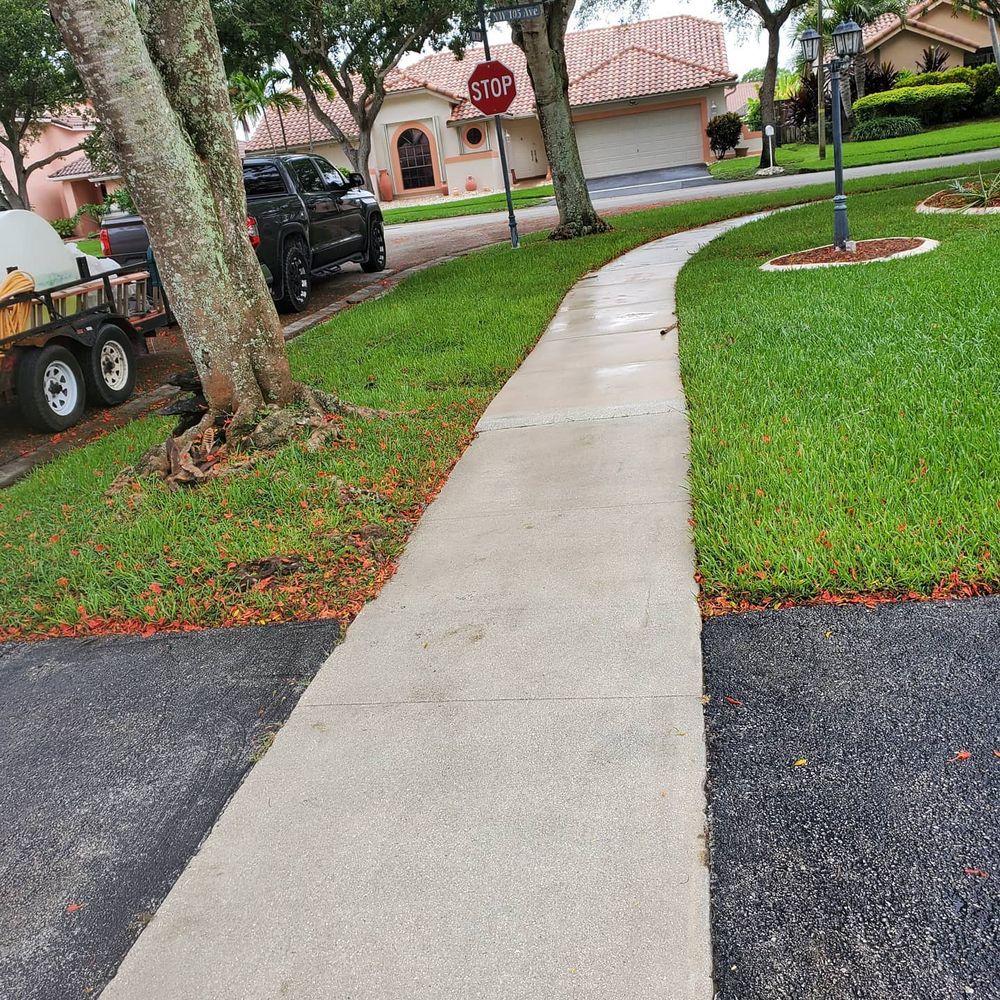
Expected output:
(494, 786)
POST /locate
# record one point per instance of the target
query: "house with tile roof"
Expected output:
(54, 194)
(641, 96)
(964, 38)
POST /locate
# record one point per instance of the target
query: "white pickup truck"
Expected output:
(70, 325)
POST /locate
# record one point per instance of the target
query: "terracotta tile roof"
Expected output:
(619, 63)
(887, 24)
(78, 166)
(737, 97)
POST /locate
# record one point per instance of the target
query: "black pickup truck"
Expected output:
(305, 219)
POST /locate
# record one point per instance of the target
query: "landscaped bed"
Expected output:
(862, 252)
(307, 535)
(972, 195)
(844, 430)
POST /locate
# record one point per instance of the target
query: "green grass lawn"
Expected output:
(92, 247)
(964, 138)
(468, 206)
(844, 421)
(435, 351)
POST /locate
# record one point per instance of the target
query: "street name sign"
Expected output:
(520, 12)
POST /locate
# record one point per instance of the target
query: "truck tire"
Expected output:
(109, 367)
(296, 282)
(50, 389)
(375, 257)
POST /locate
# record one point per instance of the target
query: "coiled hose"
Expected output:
(14, 317)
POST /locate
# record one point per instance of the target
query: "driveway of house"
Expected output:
(854, 789)
(116, 756)
(650, 182)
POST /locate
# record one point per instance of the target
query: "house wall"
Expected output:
(47, 198)
(480, 163)
(905, 50)
(943, 17)
(425, 110)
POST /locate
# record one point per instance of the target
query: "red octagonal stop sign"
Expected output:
(491, 87)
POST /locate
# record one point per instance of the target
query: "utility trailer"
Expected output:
(69, 341)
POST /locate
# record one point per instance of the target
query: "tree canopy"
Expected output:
(37, 79)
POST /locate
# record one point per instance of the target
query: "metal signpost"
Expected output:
(492, 90)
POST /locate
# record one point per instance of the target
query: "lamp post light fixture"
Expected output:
(847, 43)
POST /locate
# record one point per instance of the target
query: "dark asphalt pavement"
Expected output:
(872, 870)
(116, 756)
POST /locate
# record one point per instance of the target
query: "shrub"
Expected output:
(880, 77)
(753, 120)
(982, 80)
(979, 192)
(64, 227)
(724, 132)
(885, 128)
(932, 59)
(931, 104)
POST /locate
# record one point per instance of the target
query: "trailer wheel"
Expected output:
(109, 367)
(50, 388)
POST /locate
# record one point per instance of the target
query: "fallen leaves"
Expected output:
(733, 701)
(74, 907)
(976, 872)
(961, 755)
(801, 762)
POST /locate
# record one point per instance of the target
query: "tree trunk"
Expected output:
(767, 85)
(542, 40)
(164, 101)
(860, 76)
(994, 39)
(360, 155)
(14, 188)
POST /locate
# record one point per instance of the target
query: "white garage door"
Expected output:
(645, 141)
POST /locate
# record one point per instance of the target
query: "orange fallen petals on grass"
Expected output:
(961, 755)
(155, 588)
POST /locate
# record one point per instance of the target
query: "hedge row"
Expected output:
(984, 81)
(931, 104)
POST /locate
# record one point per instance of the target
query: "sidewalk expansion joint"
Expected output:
(491, 701)
(581, 414)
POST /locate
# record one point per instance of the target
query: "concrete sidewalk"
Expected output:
(494, 787)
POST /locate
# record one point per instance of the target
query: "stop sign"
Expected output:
(491, 87)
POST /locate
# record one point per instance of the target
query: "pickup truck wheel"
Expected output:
(50, 388)
(375, 258)
(296, 281)
(109, 367)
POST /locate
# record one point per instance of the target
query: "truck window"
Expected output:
(307, 175)
(262, 179)
(333, 177)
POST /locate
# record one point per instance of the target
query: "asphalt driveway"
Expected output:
(116, 757)
(854, 786)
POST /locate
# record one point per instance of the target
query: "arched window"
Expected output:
(416, 164)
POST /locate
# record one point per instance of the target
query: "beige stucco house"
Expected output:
(641, 96)
(931, 22)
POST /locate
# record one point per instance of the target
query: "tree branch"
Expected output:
(46, 160)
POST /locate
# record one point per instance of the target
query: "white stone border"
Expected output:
(924, 209)
(926, 246)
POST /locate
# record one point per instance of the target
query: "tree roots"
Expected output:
(583, 227)
(206, 445)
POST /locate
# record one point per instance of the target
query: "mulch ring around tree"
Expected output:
(864, 252)
(950, 202)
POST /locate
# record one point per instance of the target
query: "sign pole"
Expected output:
(515, 241)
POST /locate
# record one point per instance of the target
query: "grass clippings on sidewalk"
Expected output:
(844, 420)
(944, 141)
(434, 351)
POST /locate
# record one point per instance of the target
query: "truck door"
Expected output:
(351, 229)
(321, 207)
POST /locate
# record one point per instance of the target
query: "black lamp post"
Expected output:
(847, 43)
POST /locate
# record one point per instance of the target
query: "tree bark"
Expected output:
(542, 40)
(860, 76)
(767, 85)
(155, 77)
(994, 39)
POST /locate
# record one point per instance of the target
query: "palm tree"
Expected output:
(864, 13)
(252, 96)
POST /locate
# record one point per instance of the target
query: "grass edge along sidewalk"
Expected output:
(312, 535)
(843, 437)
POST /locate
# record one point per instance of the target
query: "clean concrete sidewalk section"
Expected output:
(494, 787)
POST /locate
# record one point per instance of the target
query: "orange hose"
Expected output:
(14, 317)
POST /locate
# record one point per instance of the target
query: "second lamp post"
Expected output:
(847, 44)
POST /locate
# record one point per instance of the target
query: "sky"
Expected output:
(746, 49)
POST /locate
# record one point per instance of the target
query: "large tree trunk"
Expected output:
(543, 42)
(361, 154)
(767, 85)
(994, 39)
(156, 79)
(860, 76)
(14, 188)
